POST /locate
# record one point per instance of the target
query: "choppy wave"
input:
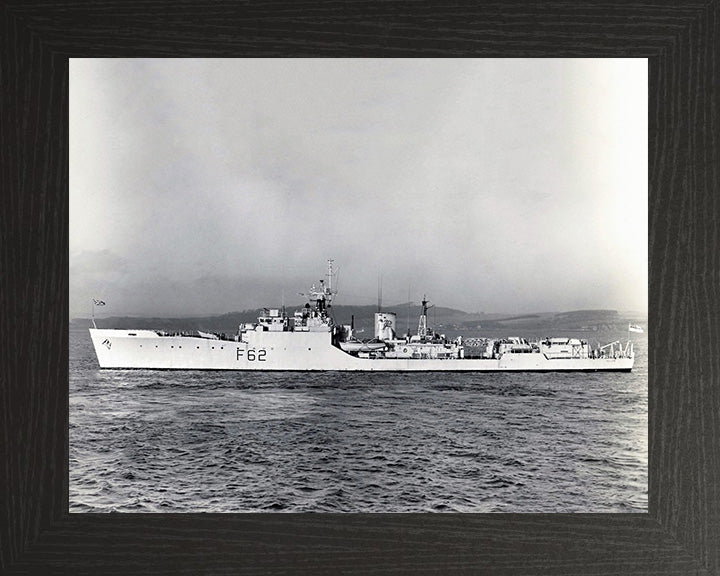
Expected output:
(159, 441)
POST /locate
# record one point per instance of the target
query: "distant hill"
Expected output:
(577, 320)
(228, 323)
(444, 320)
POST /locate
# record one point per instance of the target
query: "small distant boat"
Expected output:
(310, 340)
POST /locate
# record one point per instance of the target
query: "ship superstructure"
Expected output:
(310, 340)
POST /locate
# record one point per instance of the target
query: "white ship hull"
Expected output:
(306, 351)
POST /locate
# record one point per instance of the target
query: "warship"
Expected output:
(310, 340)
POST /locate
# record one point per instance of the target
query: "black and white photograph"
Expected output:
(358, 285)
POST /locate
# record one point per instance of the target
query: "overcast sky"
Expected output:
(208, 186)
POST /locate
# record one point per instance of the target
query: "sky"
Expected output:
(202, 186)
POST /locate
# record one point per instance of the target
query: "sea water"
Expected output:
(196, 441)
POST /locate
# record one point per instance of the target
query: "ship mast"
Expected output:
(379, 293)
(330, 275)
(422, 324)
(328, 289)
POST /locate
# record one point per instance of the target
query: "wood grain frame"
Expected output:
(681, 532)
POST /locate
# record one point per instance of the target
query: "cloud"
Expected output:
(490, 184)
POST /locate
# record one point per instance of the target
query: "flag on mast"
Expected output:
(635, 328)
(98, 302)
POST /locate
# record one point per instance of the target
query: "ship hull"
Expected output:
(307, 351)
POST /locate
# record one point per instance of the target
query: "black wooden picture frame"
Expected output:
(681, 532)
